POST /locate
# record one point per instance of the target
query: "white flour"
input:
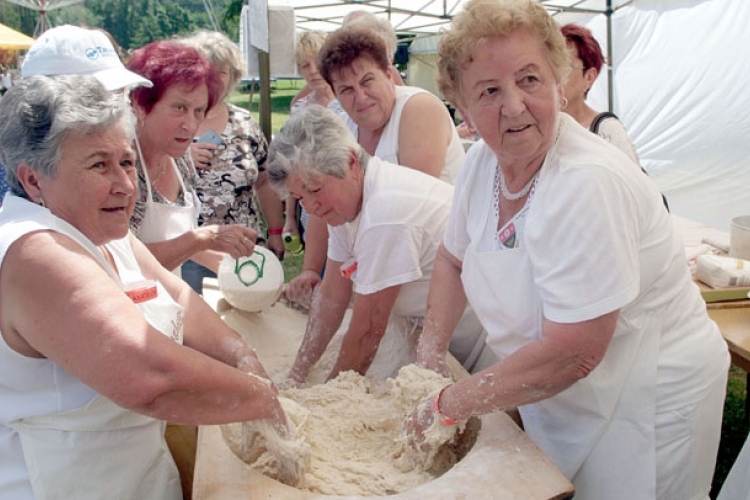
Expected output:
(352, 425)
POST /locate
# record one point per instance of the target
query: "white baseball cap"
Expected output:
(70, 50)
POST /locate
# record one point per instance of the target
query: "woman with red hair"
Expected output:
(586, 64)
(185, 88)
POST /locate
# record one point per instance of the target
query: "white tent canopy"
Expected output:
(421, 16)
(680, 89)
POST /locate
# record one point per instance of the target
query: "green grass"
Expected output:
(292, 265)
(734, 427)
(282, 92)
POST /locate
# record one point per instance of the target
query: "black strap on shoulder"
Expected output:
(599, 119)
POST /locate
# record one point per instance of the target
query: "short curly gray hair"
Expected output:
(483, 19)
(379, 25)
(220, 51)
(312, 143)
(38, 113)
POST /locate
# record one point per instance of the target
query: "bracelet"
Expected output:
(444, 421)
(275, 230)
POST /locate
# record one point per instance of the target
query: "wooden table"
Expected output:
(519, 470)
(732, 317)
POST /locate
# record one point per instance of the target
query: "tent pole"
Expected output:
(610, 63)
(264, 104)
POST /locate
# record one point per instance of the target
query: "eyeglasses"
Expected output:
(573, 66)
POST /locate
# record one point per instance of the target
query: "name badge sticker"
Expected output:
(141, 291)
(348, 269)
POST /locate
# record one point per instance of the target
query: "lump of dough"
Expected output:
(353, 426)
(256, 442)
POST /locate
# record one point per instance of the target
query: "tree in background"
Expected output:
(18, 18)
(132, 23)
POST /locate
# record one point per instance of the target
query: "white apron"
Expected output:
(165, 222)
(130, 455)
(600, 431)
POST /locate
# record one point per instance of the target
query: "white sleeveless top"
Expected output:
(58, 437)
(387, 149)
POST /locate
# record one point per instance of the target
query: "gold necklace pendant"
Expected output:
(158, 176)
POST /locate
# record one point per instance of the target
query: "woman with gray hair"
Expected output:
(403, 125)
(573, 267)
(385, 223)
(231, 168)
(99, 344)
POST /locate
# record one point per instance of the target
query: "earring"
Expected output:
(41, 202)
(564, 103)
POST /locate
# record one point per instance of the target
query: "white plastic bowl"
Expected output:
(251, 283)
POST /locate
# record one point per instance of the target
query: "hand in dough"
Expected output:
(417, 422)
(424, 434)
(273, 446)
(300, 290)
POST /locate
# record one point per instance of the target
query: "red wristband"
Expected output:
(275, 230)
(444, 421)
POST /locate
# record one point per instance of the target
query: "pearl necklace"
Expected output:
(520, 194)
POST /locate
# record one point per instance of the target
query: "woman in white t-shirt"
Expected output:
(404, 125)
(586, 61)
(573, 267)
(385, 224)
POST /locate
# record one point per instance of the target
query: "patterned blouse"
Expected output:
(189, 177)
(226, 189)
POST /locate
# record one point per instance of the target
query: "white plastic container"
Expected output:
(739, 238)
(251, 283)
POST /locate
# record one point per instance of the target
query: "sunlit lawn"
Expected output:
(282, 92)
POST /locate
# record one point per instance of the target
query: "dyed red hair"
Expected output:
(168, 63)
(589, 50)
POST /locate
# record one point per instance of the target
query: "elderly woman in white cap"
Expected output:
(70, 50)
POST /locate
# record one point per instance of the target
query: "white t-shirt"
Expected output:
(396, 235)
(599, 239)
(612, 131)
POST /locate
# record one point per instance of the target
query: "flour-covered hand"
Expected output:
(416, 424)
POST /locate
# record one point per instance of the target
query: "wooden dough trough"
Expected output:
(504, 463)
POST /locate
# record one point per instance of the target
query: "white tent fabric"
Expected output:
(679, 83)
(680, 89)
(407, 16)
(280, 33)
(420, 16)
